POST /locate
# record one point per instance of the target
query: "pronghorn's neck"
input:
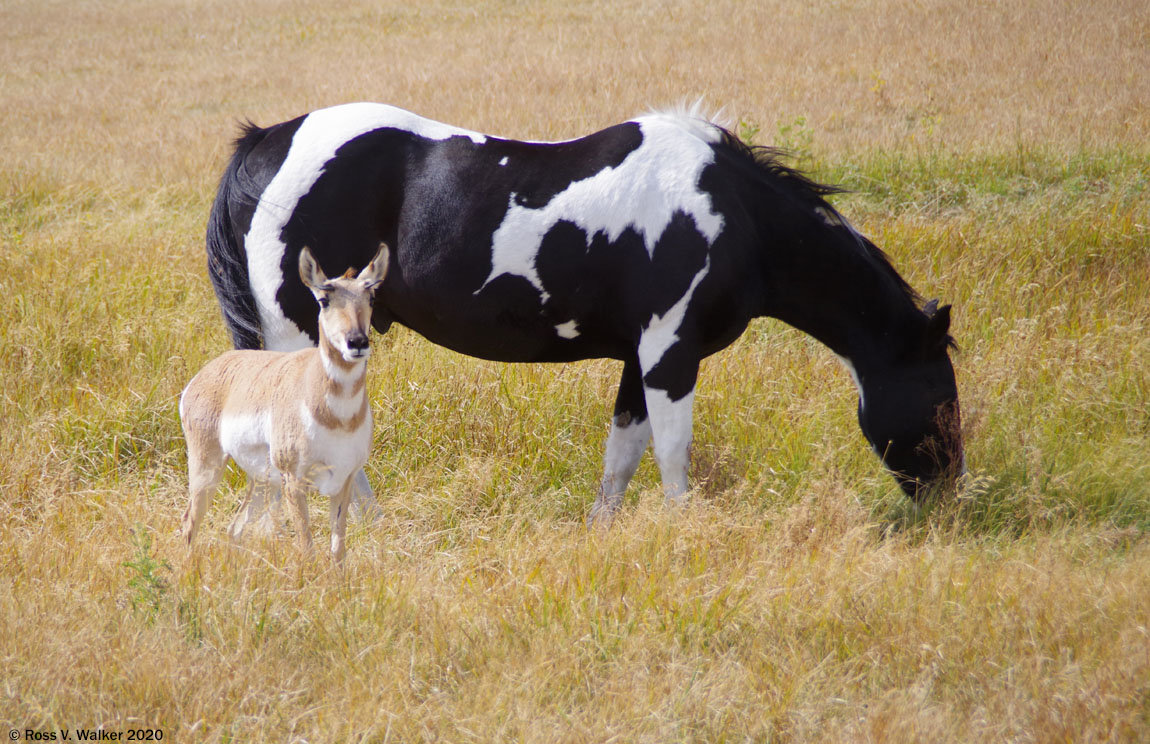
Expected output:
(338, 398)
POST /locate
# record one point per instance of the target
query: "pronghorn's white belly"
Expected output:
(246, 437)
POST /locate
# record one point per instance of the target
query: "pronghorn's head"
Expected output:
(344, 303)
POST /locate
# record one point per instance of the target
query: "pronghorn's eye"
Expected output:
(322, 302)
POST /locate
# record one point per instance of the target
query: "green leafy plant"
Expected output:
(146, 587)
(796, 137)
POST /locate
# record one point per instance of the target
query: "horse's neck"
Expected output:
(846, 302)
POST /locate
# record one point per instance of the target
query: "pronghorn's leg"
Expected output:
(626, 442)
(295, 492)
(340, 502)
(363, 504)
(205, 466)
(251, 506)
(669, 389)
(266, 512)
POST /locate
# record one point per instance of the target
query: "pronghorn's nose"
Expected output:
(357, 341)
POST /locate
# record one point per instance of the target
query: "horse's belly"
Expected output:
(501, 343)
(506, 322)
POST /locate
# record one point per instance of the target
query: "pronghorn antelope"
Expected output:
(290, 419)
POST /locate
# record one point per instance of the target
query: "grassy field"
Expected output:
(1000, 152)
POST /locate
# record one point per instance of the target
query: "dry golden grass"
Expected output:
(709, 625)
(145, 93)
(999, 152)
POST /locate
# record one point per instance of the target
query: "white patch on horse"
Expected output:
(829, 216)
(503, 160)
(570, 329)
(316, 141)
(661, 332)
(653, 183)
(833, 218)
(854, 376)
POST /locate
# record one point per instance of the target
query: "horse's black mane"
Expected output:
(768, 161)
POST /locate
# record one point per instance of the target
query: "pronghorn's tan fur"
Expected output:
(298, 419)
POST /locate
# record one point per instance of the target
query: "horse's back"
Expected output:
(503, 249)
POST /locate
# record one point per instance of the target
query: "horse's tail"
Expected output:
(227, 259)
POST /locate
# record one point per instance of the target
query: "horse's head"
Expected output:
(908, 409)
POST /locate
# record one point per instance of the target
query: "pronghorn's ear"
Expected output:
(373, 274)
(309, 271)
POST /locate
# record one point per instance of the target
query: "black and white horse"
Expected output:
(653, 242)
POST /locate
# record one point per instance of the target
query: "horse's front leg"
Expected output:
(626, 442)
(671, 430)
(669, 391)
(259, 510)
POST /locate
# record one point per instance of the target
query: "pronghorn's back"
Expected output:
(300, 419)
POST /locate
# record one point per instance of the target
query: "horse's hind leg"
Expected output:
(363, 504)
(252, 508)
(626, 442)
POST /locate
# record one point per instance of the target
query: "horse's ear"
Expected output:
(373, 274)
(309, 271)
(938, 328)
